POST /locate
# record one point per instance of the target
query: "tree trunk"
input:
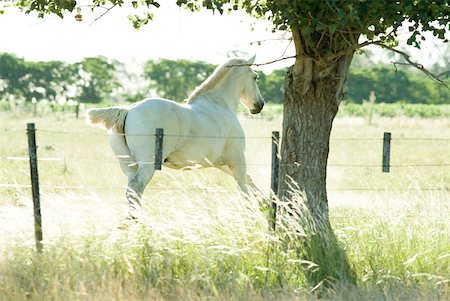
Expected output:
(313, 91)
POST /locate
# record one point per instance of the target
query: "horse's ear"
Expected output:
(237, 54)
(251, 60)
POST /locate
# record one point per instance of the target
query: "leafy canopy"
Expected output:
(378, 20)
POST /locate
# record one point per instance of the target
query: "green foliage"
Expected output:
(90, 80)
(394, 85)
(12, 69)
(176, 79)
(395, 110)
(390, 85)
(44, 7)
(328, 28)
(97, 79)
(60, 8)
(33, 80)
(94, 79)
(272, 85)
(426, 111)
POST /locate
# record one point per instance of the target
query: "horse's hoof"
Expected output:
(131, 218)
(127, 222)
(123, 226)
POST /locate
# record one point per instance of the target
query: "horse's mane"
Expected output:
(219, 73)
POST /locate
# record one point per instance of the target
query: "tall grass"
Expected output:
(215, 245)
(213, 252)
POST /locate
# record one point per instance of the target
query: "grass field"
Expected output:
(199, 240)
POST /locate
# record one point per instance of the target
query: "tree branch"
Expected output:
(265, 63)
(277, 60)
(107, 10)
(259, 42)
(418, 66)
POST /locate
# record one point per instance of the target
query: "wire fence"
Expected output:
(267, 137)
(275, 164)
(101, 158)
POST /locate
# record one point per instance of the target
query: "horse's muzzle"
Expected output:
(257, 109)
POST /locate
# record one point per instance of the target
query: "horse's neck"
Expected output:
(227, 92)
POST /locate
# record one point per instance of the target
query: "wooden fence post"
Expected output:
(159, 136)
(274, 177)
(386, 151)
(31, 132)
(77, 110)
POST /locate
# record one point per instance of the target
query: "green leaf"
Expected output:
(332, 28)
(320, 27)
(411, 40)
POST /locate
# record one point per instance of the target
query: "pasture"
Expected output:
(199, 240)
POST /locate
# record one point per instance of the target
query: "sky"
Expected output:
(174, 33)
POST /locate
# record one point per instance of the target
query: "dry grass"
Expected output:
(194, 244)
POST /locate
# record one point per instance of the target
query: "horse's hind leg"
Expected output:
(127, 163)
(136, 185)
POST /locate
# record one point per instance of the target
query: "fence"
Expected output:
(159, 135)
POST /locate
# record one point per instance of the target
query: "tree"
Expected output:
(389, 85)
(271, 85)
(47, 80)
(176, 79)
(90, 80)
(326, 35)
(12, 70)
(393, 85)
(97, 79)
(34, 80)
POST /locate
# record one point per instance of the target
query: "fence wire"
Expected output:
(207, 189)
(183, 164)
(220, 137)
(250, 164)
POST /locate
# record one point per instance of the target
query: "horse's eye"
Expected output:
(256, 77)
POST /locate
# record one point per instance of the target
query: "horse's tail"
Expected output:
(110, 118)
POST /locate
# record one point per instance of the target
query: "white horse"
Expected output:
(203, 132)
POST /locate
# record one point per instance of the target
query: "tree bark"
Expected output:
(313, 92)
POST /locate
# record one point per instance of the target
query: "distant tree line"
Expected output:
(393, 85)
(90, 80)
(96, 80)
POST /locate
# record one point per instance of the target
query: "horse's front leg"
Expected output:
(249, 181)
(238, 170)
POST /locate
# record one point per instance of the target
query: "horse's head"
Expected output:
(250, 95)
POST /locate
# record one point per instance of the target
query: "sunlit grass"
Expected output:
(192, 250)
(196, 244)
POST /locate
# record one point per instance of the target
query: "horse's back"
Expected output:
(192, 133)
(143, 119)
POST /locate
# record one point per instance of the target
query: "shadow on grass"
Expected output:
(314, 241)
(333, 266)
